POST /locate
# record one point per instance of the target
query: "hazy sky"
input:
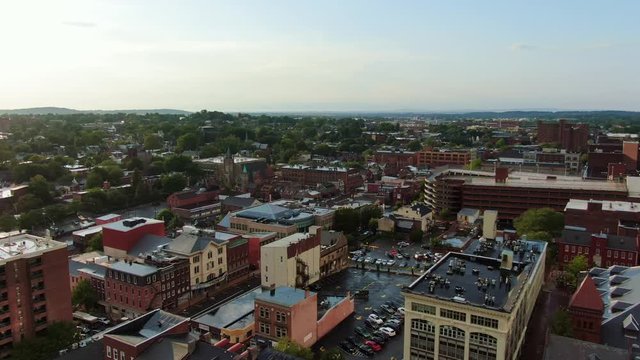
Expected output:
(320, 55)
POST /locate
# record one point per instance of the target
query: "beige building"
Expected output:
(489, 224)
(416, 212)
(292, 261)
(207, 254)
(474, 306)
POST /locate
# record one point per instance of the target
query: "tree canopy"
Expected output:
(58, 336)
(293, 348)
(540, 224)
(84, 295)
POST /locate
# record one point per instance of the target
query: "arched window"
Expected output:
(423, 340)
(451, 343)
(482, 346)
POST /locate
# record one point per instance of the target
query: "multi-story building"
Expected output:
(605, 308)
(474, 307)
(512, 194)
(191, 206)
(256, 241)
(598, 248)
(236, 172)
(396, 159)
(206, 253)
(346, 179)
(390, 190)
(287, 312)
(237, 256)
(334, 252)
(572, 137)
(607, 217)
(274, 217)
(34, 287)
(120, 237)
(291, 261)
(89, 267)
(435, 157)
(133, 289)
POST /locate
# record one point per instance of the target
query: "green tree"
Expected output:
(173, 183)
(177, 163)
(84, 295)
(114, 175)
(414, 145)
(331, 354)
(94, 180)
(8, 222)
(291, 347)
(369, 212)
(346, 220)
(577, 264)
(561, 324)
(39, 186)
(165, 215)
(416, 235)
(475, 164)
(134, 163)
(28, 202)
(373, 225)
(32, 219)
(58, 336)
(152, 142)
(538, 222)
(95, 243)
(188, 141)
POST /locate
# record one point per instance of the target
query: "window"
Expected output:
(566, 258)
(451, 343)
(264, 312)
(219, 261)
(484, 321)
(597, 251)
(265, 328)
(281, 332)
(281, 317)
(220, 250)
(608, 253)
(579, 249)
(122, 355)
(615, 254)
(452, 314)
(566, 248)
(196, 259)
(108, 351)
(427, 309)
(196, 269)
(209, 255)
(482, 346)
(573, 248)
(623, 255)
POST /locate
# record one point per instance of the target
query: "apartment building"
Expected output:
(34, 287)
(347, 179)
(474, 306)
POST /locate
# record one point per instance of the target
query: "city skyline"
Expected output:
(287, 56)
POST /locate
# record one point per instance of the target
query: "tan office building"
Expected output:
(474, 306)
(292, 261)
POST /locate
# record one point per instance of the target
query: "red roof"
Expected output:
(587, 296)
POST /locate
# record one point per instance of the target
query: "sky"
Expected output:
(343, 55)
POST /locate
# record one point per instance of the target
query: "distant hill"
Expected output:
(66, 111)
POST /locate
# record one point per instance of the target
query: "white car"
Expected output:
(375, 318)
(394, 321)
(387, 330)
(400, 310)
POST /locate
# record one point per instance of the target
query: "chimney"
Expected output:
(501, 175)
(272, 290)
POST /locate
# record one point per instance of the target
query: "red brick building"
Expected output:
(195, 205)
(600, 216)
(434, 157)
(237, 256)
(347, 179)
(586, 309)
(132, 289)
(396, 159)
(255, 241)
(601, 250)
(568, 136)
(121, 236)
(34, 287)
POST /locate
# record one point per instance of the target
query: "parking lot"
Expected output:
(382, 287)
(379, 250)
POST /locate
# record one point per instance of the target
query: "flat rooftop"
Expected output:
(230, 312)
(145, 327)
(19, 245)
(284, 296)
(130, 224)
(316, 168)
(481, 279)
(625, 206)
(531, 180)
(133, 268)
(286, 241)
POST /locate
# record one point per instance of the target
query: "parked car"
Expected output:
(391, 262)
(352, 340)
(379, 338)
(373, 345)
(387, 330)
(396, 327)
(394, 321)
(348, 347)
(379, 262)
(380, 334)
(368, 260)
(387, 309)
(375, 318)
(401, 310)
(362, 332)
(371, 324)
(365, 350)
(391, 304)
(402, 244)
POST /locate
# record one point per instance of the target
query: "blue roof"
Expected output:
(285, 296)
(231, 312)
(265, 211)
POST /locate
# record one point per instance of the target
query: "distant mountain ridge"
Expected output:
(66, 111)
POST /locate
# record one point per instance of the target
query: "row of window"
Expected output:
(279, 332)
(455, 315)
(616, 253)
(451, 343)
(114, 352)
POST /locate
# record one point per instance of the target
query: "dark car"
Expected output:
(387, 309)
(365, 350)
(348, 347)
(379, 339)
(381, 334)
(352, 340)
(362, 332)
(371, 324)
(391, 304)
(392, 325)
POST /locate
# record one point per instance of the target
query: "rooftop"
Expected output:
(560, 347)
(145, 327)
(489, 277)
(286, 241)
(284, 296)
(20, 245)
(130, 224)
(133, 268)
(617, 286)
(316, 168)
(230, 312)
(579, 236)
(626, 206)
(220, 160)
